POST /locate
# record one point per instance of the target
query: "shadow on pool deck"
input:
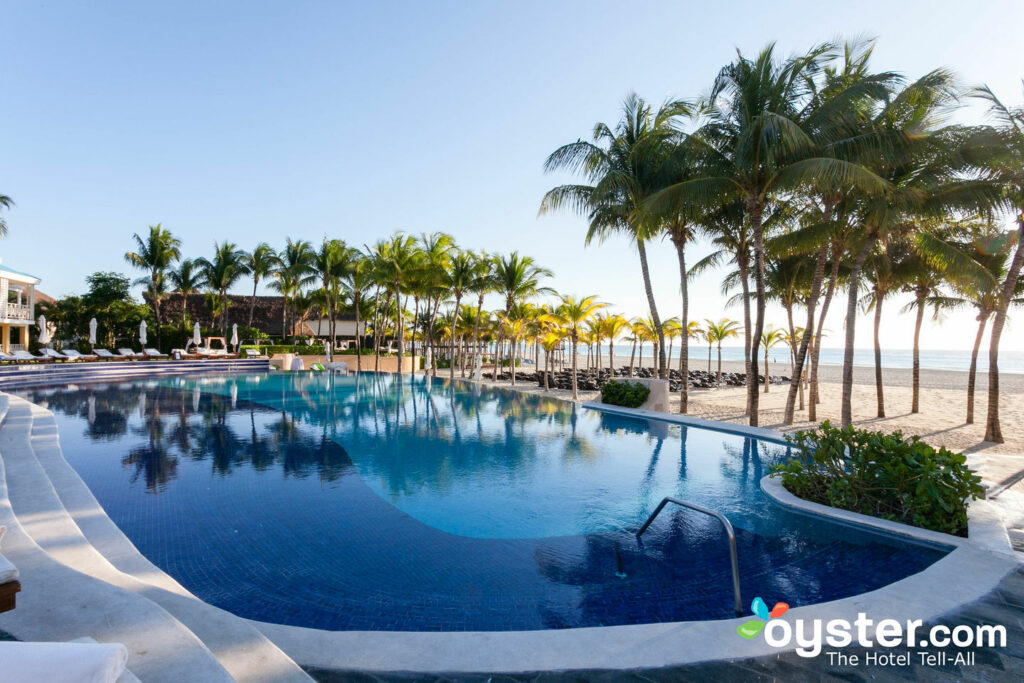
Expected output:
(1004, 605)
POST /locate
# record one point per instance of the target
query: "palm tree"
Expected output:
(437, 248)
(294, 272)
(1001, 152)
(221, 273)
(395, 262)
(457, 280)
(155, 254)
(756, 146)
(358, 278)
(261, 263)
(769, 339)
(513, 328)
(5, 203)
(613, 327)
(186, 280)
(326, 266)
(626, 166)
(483, 282)
(550, 340)
(572, 314)
(516, 278)
(719, 332)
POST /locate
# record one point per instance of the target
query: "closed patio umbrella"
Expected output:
(92, 332)
(197, 338)
(234, 336)
(142, 333)
(44, 334)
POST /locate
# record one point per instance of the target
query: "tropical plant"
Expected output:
(770, 338)
(624, 393)
(155, 254)
(186, 280)
(221, 273)
(293, 274)
(572, 314)
(261, 264)
(5, 203)
(717, 333)
(395, 262)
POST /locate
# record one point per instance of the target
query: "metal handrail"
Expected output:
(728, 532)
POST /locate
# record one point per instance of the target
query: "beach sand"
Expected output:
(940, 422)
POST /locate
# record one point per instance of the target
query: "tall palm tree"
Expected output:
(483, 282)
(1001, 153)
(437, 249)
(458, 279)
(572, 314)
(155, 254)
(613, 327)
(187, 279)
(625, 166)
(326, 266)
(358, 278)
(261, 263)
(757, 147)
(221, 273)
(516, 278)
(294, 273)
(395, 262)
(718, 333)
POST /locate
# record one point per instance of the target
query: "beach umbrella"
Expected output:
(44, 334)
(234, 336)
(142, 333)
(92, 332)
(197, 338)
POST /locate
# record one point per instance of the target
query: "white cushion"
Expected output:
(62, 662)
(8, 572)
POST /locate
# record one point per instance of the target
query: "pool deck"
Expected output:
(82, 577)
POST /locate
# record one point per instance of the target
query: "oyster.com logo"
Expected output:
(750, 629)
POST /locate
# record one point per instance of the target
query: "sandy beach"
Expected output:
(941, 421)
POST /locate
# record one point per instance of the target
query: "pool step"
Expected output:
(68, 589)
(245, 652)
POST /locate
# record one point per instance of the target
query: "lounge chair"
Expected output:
(128, 354)
(26, 357)
(182, 354)
(153, 353)
(73, 354)
(103, 354)
(252, 353)
(56, 355)
(7, 358)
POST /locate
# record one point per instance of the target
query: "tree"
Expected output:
(155, 254)
(572, 314)
(459, 277)
(999, 152)
(358, 278)
(221, 273)
(186, 280)
(754, 148)
(5, 203)
(613, 327)
(395, 262)
(625, 167)
(515, 278)
(326, 265)
(719, 332)
(770, 338)
(293, 274)
(261, 264)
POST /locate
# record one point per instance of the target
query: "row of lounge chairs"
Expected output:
(50, 355)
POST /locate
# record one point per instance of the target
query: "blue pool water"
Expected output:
(424, 505)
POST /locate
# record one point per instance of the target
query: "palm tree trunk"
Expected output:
(515, 341)
(759, 292)
(252, 299)
(800, 354)
(709, 356)
(611, 357)
(851, 330)
(766, 378)
(655, 318)
(916, 380)
(813, 398)
(575, 393)
(632, 358)
(684, 343)
(973, 372)
(879, 386)
(993, 431)
(359, 339)
(747, 331)
(719, 362)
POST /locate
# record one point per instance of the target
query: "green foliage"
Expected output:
(108, 300)
(884, 475)
(626, 394)
(300, 349)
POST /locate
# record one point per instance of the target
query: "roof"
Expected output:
(13, 274)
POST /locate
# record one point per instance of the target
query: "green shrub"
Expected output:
(884, 475)
(300, 349)
(626, 394)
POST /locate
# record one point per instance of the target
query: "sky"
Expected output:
(253, 121)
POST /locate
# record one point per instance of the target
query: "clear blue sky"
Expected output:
(251, 121)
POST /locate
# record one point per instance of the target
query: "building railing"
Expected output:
(18, 311)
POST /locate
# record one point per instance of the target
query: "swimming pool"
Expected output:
(375, 503)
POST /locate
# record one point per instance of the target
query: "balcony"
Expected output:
(17, 312)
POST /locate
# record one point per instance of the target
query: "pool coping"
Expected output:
(925, 595)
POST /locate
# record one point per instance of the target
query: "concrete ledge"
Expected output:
(675, 418)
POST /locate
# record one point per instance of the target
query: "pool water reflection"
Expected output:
(379, 504)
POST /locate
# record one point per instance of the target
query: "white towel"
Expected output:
(62, 662)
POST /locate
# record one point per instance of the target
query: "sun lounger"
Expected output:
(252, 353)
(25, 356)
(182, 354)
(73, 354)
(51, 353)
(130, 355)
(75, 661)
(103, 354)
(7, 358)
(153, 353)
